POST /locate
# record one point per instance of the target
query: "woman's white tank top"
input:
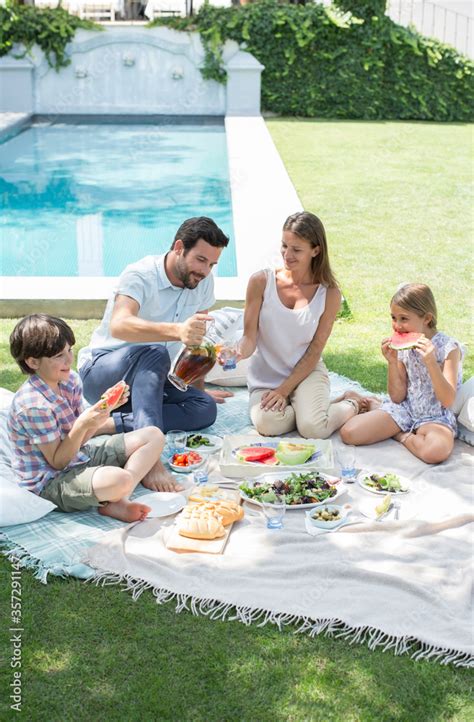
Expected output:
(283, 335)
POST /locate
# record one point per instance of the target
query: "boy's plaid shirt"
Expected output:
(38, 415)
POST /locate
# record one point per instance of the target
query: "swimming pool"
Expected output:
(86, 200)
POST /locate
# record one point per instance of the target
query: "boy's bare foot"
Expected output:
(125, 510)
(159, 479)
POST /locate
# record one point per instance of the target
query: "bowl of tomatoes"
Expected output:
(186, 461)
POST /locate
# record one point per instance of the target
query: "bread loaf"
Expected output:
(197, 522)
(228, 510)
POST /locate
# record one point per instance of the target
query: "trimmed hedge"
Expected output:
(320, 62)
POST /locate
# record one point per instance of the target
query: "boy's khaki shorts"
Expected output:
(72, 490)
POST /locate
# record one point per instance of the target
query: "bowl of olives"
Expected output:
(328, 516)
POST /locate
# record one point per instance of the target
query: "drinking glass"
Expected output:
(176, 441)
(274, 510)
(228, 356)
(346, 457)
(201, 475)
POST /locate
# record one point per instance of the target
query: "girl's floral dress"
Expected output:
(421, 405)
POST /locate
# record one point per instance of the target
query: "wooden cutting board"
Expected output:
(181, 544)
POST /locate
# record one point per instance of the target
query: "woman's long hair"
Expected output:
(308, 227)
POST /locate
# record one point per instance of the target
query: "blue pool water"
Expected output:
(86, 200)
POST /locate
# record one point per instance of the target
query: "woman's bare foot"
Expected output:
(361, 401)
(402, 436)
(374, 403)
(125, 510)
(159, 479)
(365, 403)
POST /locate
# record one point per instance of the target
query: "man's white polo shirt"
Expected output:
(147, 283)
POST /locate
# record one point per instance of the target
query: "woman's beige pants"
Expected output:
(309, 411)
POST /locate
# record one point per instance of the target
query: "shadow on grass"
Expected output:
(102, 655)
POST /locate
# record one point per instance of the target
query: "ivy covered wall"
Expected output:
(348, 62)
(351, 63)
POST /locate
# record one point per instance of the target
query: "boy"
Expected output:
(51, 432)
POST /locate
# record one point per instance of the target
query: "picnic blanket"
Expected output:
(401, 585)
(55, 543)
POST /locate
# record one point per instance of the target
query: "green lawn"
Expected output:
(395, 199)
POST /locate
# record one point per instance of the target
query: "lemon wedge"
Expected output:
(384, 506)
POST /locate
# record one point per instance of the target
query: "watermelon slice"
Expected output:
(113, 395)
(256, 454)
(401, 341)
(289, 454)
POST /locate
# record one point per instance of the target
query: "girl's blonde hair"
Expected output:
(418, 298)
(308, 227)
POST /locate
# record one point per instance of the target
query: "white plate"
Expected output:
(406, 511)
(162, 503)
(340, 489)
(186, 469)
(404, 482)
(215, 443)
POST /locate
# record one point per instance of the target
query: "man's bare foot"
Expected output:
(125, 510)
(159, 479)
(219, 395)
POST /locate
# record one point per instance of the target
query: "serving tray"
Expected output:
(231, 466)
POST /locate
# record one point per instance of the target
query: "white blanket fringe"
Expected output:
(222, 611)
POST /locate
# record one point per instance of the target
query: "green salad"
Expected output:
(308, 488)
(385, 482)
(194, 441)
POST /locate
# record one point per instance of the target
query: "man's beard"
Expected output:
(188, 278)
(190, 281)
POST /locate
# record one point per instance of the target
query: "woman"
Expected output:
(289, 315)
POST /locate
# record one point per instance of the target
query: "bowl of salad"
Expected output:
(203, 442)
(301, 490)
(328, 516)
(385, 482)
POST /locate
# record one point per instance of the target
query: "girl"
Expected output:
(422, 383)
(289, 315)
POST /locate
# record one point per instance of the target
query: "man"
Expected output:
(160, 302)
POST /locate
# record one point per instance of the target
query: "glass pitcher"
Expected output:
(192, 363)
